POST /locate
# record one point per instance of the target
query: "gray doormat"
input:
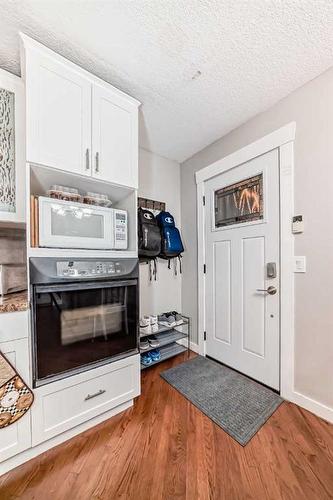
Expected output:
(234, 402)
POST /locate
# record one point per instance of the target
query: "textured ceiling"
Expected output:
(200, 67)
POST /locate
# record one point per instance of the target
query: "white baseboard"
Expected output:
(319, 409)
(30, 453)
(194, 347)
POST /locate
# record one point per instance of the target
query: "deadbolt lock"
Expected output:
(271, 269)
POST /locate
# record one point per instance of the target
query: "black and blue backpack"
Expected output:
(171, 244)
(149, 239)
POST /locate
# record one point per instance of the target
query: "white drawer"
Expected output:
(14, 325)
(58, 408)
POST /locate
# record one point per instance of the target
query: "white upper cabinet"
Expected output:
(59, 117)
(75, 121)
(12, 148)
(114, 137)
(58, 114)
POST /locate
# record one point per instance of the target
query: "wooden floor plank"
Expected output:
(164, 448)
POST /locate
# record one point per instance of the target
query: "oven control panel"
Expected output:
(86, 269)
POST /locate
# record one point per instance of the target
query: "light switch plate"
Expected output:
(300, 264)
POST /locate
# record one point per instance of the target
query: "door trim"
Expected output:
(283, 140)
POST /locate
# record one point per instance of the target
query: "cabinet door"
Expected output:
(12, 148)
(114, 137)
(16, 437)
(58, 113)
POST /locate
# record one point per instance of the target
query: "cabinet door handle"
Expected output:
(97, 162)
(91, 396)
(87, 159)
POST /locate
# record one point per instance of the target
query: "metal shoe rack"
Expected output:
(168, 338)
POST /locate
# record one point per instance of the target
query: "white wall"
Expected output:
(159, 179)
(311, 106)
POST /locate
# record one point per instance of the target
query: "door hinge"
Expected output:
(205, 335)
(204, 269)
(204, 200)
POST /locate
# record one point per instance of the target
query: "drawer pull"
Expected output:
(91, 396)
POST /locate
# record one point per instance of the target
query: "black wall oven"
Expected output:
(84, 314)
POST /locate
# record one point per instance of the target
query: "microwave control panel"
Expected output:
(86, 269)
(120, 229)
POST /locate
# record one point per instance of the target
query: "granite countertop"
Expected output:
(13, 302)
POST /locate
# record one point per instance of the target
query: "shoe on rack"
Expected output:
(165, 320)
(154, 328)
(153, 324)
(144, 321)
(155, 355)
(144, 344)
(153, 341)
(171, 318)
(145, 328)
(153, 319)
(178, 317)
(146, 359)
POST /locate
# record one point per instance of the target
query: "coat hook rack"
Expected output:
(153, 205)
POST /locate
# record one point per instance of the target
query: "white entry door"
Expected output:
(242, 268)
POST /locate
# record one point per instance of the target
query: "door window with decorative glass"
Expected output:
(239, 202)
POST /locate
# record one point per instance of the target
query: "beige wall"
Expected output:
(159, 179)
(311, 107)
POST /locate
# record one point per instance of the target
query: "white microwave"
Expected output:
(66, 224)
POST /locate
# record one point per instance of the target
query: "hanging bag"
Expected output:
(149, 240)
(149, 234)
(172, 245)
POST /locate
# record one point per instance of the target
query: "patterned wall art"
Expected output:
(7, 150)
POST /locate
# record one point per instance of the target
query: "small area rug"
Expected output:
(233, 401)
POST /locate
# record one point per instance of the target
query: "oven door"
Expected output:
(78, 326)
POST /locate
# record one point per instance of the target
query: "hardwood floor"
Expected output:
(164, 448)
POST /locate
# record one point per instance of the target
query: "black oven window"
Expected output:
(77, 327)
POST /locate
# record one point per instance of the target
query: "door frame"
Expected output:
(283, 140)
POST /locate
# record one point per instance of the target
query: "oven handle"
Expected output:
(83, 286)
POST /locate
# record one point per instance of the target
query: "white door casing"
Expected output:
(242, 323)
(283, 139)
